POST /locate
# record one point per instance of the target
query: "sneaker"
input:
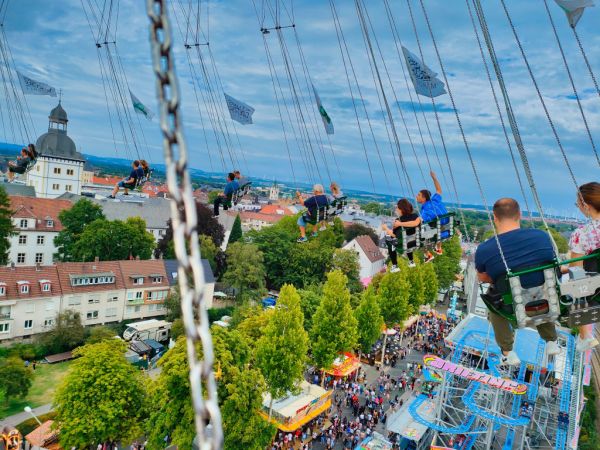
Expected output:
(394, 269)
(439, 251)
(315, 234)
(584, 345)
(429, 257)
(302, 239)
(510, 360)
(411, 264)
(552, 348)
(111, 196)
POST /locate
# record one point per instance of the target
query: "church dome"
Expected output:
(58, 114)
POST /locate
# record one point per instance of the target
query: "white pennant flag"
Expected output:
(239, 111)
(326, 119)
(574, 9)
(140, 108)
(424, 79)
(33, 87)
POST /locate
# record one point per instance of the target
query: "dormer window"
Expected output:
(45, 285)
(137, 279)
(23, 223)
(49, 223)
(2, 289)
(156, 278)
(23, 287)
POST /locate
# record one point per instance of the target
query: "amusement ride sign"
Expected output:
(505, 384)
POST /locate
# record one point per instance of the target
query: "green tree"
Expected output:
(310, 299)
(236, 230)
(15, 378)
(394, 295)
(373, 208)
(347, 262)
(6, 226)
(417, 286)
(334, 328)
(177, 329)
(175, 416)
(430, 283)
(99, 334)
(357, 229)
(253, 327)
(448, 265)
(113, 240)
(243, 427)
(245, 270)
(369, 320)
(212, 196)
(173, 305)
(101, 399)
(74, 222)
(66, 334)
(208, 250)
(281, 351)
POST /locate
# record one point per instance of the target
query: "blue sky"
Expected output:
(52, 42)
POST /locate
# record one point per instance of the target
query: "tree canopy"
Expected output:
(113, 240)
(6, 226)
(369, 320)
(393, 291)
(357, 229)
(447, 265)
(347, 262)
(334, 327)
(245, 270)
(15, 378)
(74, 222)
(236, 230)
(67, 333)
(101, 399)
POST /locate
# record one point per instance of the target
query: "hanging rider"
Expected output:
(129, 183)
(225, 198)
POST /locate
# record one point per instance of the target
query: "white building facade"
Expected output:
(59, 167)
(370, 258)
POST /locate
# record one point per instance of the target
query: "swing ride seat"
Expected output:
(575, 301)
(439, 229)
(404, 244)
(336, 207)
(139, 185)
(315, 215)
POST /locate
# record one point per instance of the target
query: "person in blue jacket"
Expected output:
(225, 198)
(432, 207)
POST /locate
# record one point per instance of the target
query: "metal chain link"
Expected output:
(185, 234)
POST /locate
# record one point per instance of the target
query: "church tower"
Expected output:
(59, 166)
(274, 192)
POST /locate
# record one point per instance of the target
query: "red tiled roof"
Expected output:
(66, 270)
(251, 215)
(44, 436)
(368, 246)
(276, 209)
(106, 181)
(144, 268)
(32, 275)
(41, 209)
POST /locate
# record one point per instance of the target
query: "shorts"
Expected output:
(125, 185)
(16, 169)
(301, 221)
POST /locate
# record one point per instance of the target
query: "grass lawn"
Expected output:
(46, 379)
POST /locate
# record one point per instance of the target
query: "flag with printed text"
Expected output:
(140, 108)
(238, 110)
(424, 79)
(574, 9)
(33, 87)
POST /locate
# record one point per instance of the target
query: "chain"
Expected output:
(185, 234)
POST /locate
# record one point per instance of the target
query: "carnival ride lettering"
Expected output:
(436, 362)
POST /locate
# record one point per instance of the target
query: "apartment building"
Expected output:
(102, 292)
(36, 225)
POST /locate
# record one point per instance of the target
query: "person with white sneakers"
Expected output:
(409, 219)
(584, 241)
(521, 247)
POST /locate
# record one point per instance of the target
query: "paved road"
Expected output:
(12, 421)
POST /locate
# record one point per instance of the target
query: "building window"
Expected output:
(23, 223)
(24, 289)
(20, 258)
(41, 240)
(28, 324)
(138, 295)
(75, 301)
(70, 171)
(4, 327)
(57, 170)
(39, 258)
(49, 223)
(46, 287)
(48, 322)
(111, 312)
(55, 186)
(157, 279)
(113, 299)
(68, 188)
(138, 280)
(37, 167)
(92, 315)
(85, 280)
(91, 301)
(22, 239)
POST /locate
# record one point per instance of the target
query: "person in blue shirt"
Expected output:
(522, 249)
(129, 183)
(225, 198)
(432, 207)
(313, 206)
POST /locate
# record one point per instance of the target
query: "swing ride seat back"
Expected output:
(439, 229)
(234, 198)
(576, 300)
(139, 185)
(337, 206)
(315, 215)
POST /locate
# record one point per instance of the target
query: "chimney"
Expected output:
(12, 265)
(96, 259)
(38, 267)
(137, 258)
